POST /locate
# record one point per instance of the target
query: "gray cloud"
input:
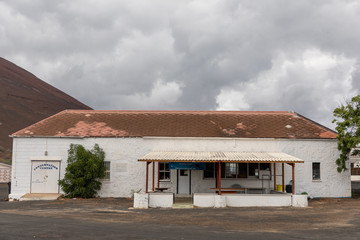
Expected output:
(199, 55)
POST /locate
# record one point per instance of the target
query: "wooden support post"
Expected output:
(147, 177)
(158, 175)
(274, 176)
(293, 178)
(153, 177)
(283, 177)
(219, 177)
(216, 175)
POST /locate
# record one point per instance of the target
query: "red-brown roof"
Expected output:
(240, 124)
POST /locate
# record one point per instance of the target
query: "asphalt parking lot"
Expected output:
(114, 218)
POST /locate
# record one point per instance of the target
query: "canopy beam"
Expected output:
(147, 177)
(282, 178)
(274, 176)
(219, 177)
(293, 178)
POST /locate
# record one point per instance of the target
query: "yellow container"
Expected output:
(279, 187)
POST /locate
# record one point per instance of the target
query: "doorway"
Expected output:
(184, 181)
(45, 176)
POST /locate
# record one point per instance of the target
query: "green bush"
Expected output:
(83, 171)
(347, 119)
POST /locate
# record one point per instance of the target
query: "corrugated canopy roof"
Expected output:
(228, 124)
(269, 157)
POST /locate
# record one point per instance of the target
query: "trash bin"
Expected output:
(288, 188)
(9, 187)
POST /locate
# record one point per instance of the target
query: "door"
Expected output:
(184, 183)
(45, 176)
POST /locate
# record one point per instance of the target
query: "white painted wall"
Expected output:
(248, 200)
(161, 200)
(128, 174)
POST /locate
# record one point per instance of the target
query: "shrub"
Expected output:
(83, 171)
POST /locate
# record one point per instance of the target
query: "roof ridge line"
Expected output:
(170, 111)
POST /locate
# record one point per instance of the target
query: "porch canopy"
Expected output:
(223, 157)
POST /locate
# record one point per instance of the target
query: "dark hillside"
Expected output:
(24, 100)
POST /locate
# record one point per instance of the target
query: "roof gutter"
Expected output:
(246, 139)
(185, 138)
(76, 137)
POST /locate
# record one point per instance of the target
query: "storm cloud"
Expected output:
(299, 56)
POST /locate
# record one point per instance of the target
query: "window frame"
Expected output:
(107, 176)
(164, 171)
(313, 169)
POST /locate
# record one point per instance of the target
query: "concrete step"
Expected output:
(40, 196)
(183, 205)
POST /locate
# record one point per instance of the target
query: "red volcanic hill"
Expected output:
(24, 100)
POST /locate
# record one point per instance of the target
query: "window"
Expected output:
(231, 170)
(209, 171)
(236, 170)
(107, 171)
(242, 170)
(164, 171)
(184, 172)
(253, 170)
(316, 171)
(265, 166)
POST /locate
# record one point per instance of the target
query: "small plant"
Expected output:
(304, 193)
(133, 192)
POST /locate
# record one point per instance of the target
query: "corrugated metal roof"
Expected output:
(220, 156)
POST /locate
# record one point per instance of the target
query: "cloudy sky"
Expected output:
(301, 56)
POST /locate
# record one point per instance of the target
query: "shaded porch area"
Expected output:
(230, 160)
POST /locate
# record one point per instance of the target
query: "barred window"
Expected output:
(231, 170)
(316, 171)
(107, 171)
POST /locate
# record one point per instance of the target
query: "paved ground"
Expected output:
(114, 218)
(355, 187)
(4, 190)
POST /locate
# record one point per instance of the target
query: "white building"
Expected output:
(246, 145)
